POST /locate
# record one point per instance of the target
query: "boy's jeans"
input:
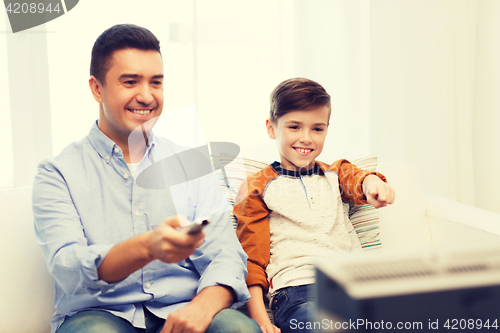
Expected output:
(293, 309)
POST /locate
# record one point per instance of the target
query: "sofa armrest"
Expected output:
(456, 224)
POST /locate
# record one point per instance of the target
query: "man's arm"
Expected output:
(198, 314)
(80, 267)
(164, 243)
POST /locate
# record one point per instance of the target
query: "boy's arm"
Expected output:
(258, 312)
(254, 235)
(378, 193)
(253, 230)
(351, 181)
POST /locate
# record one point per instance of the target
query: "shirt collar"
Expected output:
(316, 170)
(105, 147)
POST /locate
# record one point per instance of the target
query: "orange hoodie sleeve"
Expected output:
(253, 225)
(351, 180)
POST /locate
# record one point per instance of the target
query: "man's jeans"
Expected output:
(227, 321)
(293, 309)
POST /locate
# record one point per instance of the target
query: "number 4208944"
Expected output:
(471, 324)
(25, 8)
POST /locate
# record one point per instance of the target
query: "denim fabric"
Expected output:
(96, 321)
(226, 321)
(293, 308)
(232, 321)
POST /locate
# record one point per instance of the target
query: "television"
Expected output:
(423, 291)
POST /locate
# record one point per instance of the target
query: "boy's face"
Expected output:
(300, 136)
(132, 93)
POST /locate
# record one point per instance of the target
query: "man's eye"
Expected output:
(130, 82)
(157, 83)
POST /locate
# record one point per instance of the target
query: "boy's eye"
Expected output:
(318, 129)
(293, 127)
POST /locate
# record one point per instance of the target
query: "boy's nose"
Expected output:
(305, 138)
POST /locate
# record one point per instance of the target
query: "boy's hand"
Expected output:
(378, 193)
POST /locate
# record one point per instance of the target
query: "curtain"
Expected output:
(414, 81)
(411, 80)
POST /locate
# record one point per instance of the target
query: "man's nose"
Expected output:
(144, 95)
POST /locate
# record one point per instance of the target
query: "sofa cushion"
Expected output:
(26, 287)
(232, 175)
(365, 218)
(235, 171)
(404, 224)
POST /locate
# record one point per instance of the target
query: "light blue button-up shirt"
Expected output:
(85, 201)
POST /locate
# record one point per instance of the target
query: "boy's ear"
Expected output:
(95, 88)
(270, 128)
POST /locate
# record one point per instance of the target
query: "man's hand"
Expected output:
(190, 318)
(196, 316)
(164, 243)
(167, 244)
(378, 193)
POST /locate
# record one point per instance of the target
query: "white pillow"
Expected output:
(404, 224)
(26, 287)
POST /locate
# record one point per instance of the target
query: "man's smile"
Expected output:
(141, 111)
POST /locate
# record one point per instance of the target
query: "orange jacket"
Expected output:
(252, 212)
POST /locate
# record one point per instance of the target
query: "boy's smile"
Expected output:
(300, 136)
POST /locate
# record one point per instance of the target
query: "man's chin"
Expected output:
(145, 124)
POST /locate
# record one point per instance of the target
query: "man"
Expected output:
(120, 261)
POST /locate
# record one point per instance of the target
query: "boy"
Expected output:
(292, 211)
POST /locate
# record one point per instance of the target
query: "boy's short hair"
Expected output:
(297, 94)
(119, 37)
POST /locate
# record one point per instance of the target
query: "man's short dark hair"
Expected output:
(297, 94)
(119, 37)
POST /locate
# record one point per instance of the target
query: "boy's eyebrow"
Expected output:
(300, 123)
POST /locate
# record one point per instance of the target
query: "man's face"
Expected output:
(132, 93)
(300, 136)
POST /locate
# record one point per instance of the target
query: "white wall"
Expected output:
(486, 123)
(411, 80)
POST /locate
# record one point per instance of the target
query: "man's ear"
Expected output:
(270, 128)
(95, 88)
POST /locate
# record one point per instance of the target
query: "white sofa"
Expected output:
(414, 221)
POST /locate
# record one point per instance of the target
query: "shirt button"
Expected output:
(137, 213)
(117, 150)
(148, 285)
(125, 175)
(107, 158)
